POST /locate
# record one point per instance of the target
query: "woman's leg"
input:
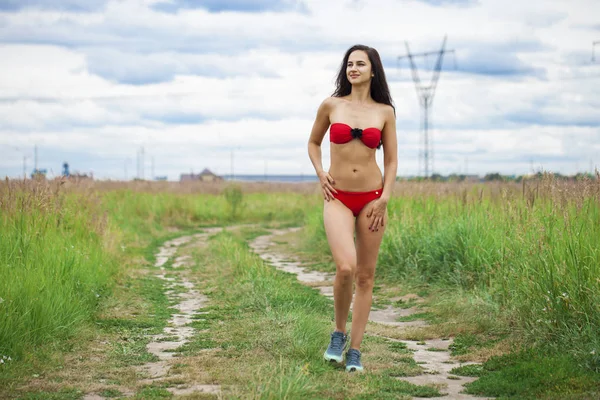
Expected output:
(367, 250)
(339, 227)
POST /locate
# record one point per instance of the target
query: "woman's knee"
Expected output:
(346, 270)
(365, 280)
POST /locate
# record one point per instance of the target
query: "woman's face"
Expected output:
(358, 68)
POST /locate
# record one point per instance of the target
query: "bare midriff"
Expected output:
(354, 167)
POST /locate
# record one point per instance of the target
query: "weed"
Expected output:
(529, 374)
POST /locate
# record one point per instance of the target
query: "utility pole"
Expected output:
(35, 161)
(426, 94)
(25, 157)
(597, 42)
(531, 166)
(266, 170)
(152, 169)
(142, 163)
(125, 166)
(232, 164)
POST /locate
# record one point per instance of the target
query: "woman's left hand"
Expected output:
(377, 213)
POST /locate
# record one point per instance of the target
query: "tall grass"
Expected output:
(533, 249)
(55, 263)
(138, 213)
(61, 243)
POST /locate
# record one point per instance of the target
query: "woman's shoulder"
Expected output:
(330, 103)
(384, 107)
(387, 110)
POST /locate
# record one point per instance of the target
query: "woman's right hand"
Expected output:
(327, 183)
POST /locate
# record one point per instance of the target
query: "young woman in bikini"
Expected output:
(361, 118)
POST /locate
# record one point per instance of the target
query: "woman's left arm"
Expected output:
(390, 154)
(390, 165)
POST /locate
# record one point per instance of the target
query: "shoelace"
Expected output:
(353, 358)
(337, 341)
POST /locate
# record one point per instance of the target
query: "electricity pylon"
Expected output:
(426, 94)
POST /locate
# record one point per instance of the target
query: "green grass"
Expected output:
(497, 260)
(466, 342)
(153, 392)
(529, 256)
(111, 393)
(272, 331)
(469, 370)
(60, 250)
(416, 316)
(65, 394)
(58, 257)
(532, 375)
(501, 262)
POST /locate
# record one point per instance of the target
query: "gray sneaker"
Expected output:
(336, 347)
(353, 361)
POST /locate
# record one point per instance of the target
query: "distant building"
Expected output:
(204, 176)
(39, 173)
(472, 178)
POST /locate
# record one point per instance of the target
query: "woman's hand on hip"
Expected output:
(327, 183)
(377, 214)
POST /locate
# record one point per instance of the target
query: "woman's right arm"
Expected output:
(314, 147)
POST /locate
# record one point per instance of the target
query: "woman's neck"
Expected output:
(361, 94)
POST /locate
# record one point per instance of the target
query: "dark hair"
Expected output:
(380, 91)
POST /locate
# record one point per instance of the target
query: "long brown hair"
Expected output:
(380, 92)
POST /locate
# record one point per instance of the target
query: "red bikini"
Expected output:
(341, 133)
(356, 201)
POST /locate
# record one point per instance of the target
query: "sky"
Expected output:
(234, 85)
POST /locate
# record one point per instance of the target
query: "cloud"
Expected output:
(253, 6)
(489, 62)
(194, 84)
(61, 5)
(133, 28)
(548, 118)
(456, 3)
(140, 69)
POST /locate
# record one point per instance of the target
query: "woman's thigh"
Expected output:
(367, 242)
(339, 227)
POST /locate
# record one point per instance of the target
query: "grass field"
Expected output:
(499, 263)
(528, 254)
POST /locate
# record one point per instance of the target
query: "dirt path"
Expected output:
(433, 355)
(188, 301)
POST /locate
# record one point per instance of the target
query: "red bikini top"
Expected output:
(340, 133)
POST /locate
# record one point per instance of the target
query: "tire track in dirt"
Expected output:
(437, 363)
(177, 332)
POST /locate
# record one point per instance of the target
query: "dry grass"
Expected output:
(214, 188)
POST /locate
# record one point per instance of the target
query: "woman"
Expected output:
(361, 118)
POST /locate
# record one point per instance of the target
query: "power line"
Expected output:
(25, 157)
(426, 94)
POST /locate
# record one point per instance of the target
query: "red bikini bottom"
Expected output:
(356, 201)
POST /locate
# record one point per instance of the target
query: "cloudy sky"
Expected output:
(201, 83)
